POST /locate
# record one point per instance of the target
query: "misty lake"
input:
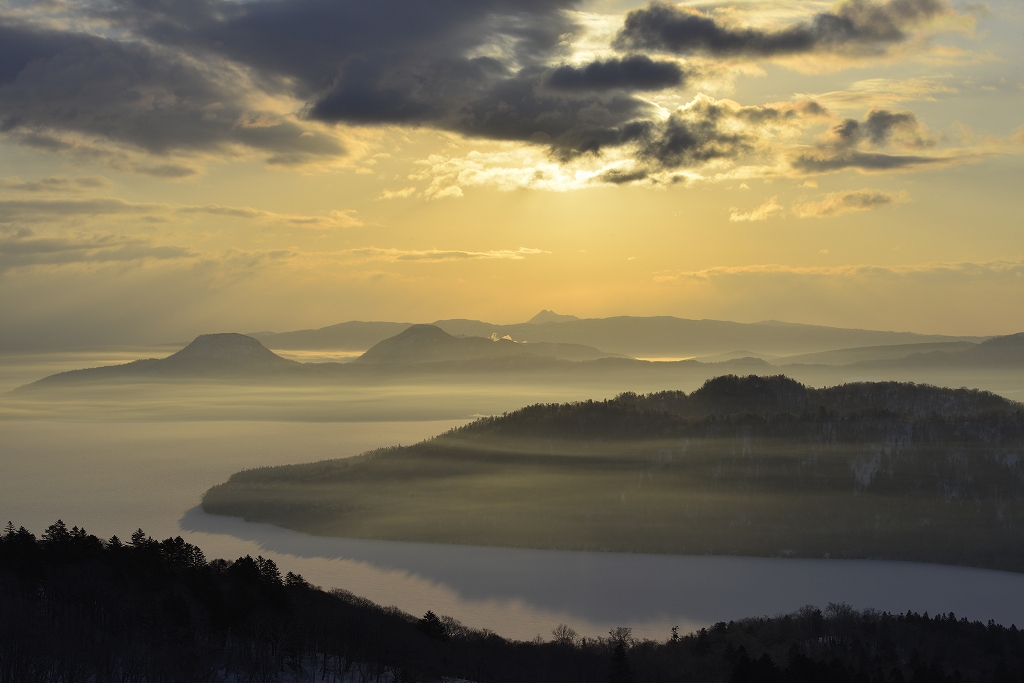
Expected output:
(114, 477)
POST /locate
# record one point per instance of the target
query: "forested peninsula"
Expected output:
(74, 607)
(750, 466)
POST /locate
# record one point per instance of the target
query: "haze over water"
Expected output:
(112, 477)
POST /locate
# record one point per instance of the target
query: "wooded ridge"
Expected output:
(76, 608)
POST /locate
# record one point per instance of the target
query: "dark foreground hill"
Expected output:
(76, 608)
(751, 466)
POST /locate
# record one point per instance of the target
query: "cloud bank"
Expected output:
(276, 78)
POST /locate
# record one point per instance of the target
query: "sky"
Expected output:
(176, 167)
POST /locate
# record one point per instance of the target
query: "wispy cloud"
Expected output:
(968, 269)
(54, 184)
(334, 219)
(24, 249)
(43, 210)
(761, 213)
(56, 210)
(885, 92)
(404, 193)
(838, 203)
(437, 255)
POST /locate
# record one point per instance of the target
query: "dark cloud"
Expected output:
(842, 145)
(516, 109)
(635, 72)
(480, 68)
(882, 126)
(822, 162)
(617, 177)
(866, 199)
(391, 61)
(854, 25)
(181, 75)
(24, 248)
(706, 130)
(322, 45)
(132, 94)
(166, 170)
(689, 141)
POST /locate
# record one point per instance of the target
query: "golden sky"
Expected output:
(173, 167)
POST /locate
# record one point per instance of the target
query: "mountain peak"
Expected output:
(209, 356)
(429, 343)
(415, 343)
(227, 348)
(547, 316)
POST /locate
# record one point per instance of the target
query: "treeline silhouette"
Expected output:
(76, 608)
(771, 406)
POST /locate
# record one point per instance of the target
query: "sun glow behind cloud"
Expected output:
(617, 152)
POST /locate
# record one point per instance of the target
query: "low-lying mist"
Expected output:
(397, 395)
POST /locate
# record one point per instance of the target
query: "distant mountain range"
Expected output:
(668, 337)
(416, 348)
(1007, 351)
(428, 350)
(641, 337)
(547, 316)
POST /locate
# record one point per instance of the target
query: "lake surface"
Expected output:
(114, 477)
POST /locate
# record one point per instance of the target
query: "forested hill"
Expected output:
(74, 607)
(769, 405)
(779, 394)
(751, 466)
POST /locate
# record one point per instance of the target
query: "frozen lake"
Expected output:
(114, 477)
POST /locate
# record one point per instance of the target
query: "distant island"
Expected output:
(744, 465)
(429, 353)
(417, 349)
